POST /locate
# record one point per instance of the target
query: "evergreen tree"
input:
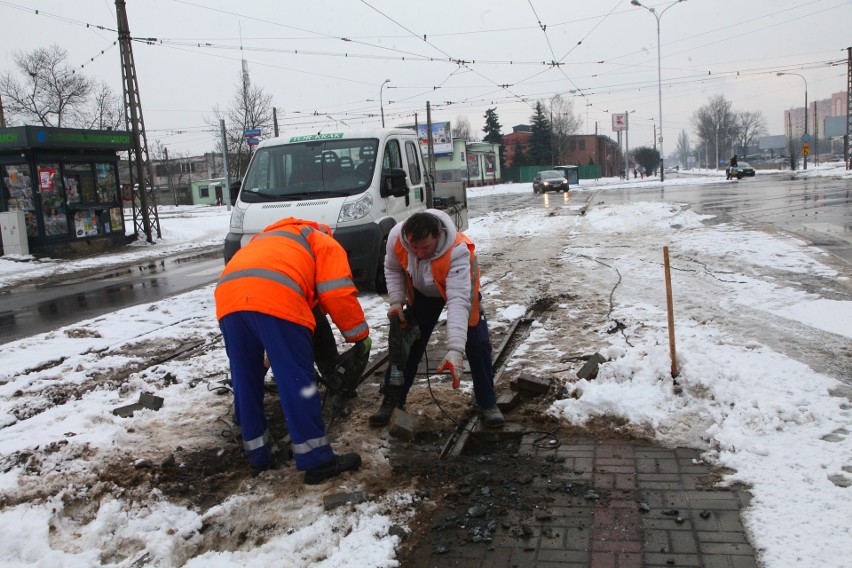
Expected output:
(519, 157)
(647, 157)
(540, 140)
(493, 134)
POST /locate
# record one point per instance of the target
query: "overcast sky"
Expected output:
(606, 55)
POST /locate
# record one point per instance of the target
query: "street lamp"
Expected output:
(659, 74)
(805, 157)
(381, 103)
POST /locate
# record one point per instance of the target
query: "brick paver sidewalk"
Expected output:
(639, 506)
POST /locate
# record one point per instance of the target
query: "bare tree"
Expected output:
(683, 148)
(176, 167)
(717, 126)
(105, 110)
(250, 108)
(564, 124)
(751, 125)
(51, 92)
(462, 128)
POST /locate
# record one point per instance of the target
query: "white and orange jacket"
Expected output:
(452, 273)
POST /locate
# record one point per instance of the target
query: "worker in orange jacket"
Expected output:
(264, 302)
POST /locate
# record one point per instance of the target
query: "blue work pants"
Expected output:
(289, 348)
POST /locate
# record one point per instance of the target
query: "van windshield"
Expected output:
(310, 169)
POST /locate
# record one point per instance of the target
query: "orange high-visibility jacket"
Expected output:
(285, 271)
(441, 267)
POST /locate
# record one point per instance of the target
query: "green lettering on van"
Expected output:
(309, 137)
(9, 138)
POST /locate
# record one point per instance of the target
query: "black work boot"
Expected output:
(335, 466)
(393, 399)
(383, 414)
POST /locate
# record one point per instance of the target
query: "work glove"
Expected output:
(453, 362)
(364, 345)
(397, 309)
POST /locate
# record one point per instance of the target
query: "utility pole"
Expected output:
(169, 175)
(227, 187)
(597, 144)
(551, 133)
(626, 145)
(816, 136)
(275, 121)
(146, 207)
(846, 139)
(430, 144)
(2, 116)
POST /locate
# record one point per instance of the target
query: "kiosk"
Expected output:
(65, 182)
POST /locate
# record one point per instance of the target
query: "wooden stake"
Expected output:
(672, 350)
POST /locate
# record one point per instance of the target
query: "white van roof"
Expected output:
(306, 135)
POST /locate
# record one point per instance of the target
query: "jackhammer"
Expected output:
(347, 374)
(402, 334)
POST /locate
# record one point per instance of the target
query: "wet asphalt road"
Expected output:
(818, 209)
(37, 308)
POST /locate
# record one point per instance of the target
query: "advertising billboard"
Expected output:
(442, 138)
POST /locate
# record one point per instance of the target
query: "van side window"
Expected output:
(393, 156)
(413, 163)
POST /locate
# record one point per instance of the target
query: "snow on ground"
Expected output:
(756, 315)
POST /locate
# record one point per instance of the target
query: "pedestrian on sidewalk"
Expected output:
(264, 302)
(430, 264)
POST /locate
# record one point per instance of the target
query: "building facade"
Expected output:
(818, 111)
(519, 137)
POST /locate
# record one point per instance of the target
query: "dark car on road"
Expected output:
(549, 180)
(744, 169)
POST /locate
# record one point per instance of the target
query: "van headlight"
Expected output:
(357, 209)
(237, 216)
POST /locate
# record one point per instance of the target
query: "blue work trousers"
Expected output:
(289, 348)
(426, 311)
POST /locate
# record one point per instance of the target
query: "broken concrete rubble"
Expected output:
(146, 400)
(530, 385)
(590, 369)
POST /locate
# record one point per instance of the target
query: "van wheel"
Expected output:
(381, 285)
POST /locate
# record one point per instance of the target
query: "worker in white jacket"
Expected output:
(429, 265)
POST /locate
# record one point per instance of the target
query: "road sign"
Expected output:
(619, 122)
(251, 133)
(806, 149)
(252, 141)
(806, 137)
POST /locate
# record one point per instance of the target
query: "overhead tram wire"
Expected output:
(798, 8)
(460, 62)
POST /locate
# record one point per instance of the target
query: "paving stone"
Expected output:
(340, 499)
(683, 542)
(589, 370)
(669, 560)
(401, 425)
(562, 556)
(530, 385)
(728, 548)
(508, 401)
(730, 537)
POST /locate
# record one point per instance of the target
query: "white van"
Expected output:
(333, 179)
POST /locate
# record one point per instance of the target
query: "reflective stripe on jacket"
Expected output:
(285, 271)
(440, 269)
